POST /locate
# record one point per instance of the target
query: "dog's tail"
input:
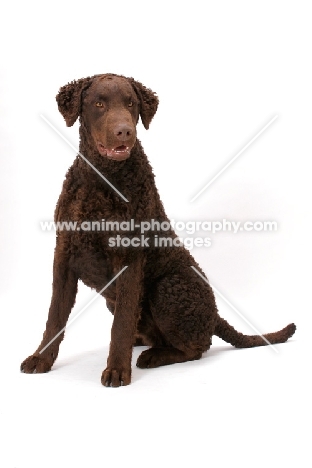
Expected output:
(228, 333)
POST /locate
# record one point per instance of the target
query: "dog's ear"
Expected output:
(148, 102)
(69, 99)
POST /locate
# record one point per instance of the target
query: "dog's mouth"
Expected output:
(119, 153)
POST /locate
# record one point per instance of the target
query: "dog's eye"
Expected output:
(99, 104)
(130, 104)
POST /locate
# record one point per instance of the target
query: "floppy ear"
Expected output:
(148, 102)
(69, 99)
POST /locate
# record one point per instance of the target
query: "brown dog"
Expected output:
(158, 300)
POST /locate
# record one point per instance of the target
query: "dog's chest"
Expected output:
(98, 220)
(88, 204)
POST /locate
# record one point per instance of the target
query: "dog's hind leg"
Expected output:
(161, 352)
(155, 357)
(185, 317)
(147, 333)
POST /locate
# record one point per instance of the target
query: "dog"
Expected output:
(157, 294)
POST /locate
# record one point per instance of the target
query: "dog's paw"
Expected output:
(35, 364)
(156, 357)
(115, 378)
(149, 358)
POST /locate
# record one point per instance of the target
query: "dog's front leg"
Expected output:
(63, 298)
(126, 315)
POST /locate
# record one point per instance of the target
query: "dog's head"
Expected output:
(109, 106)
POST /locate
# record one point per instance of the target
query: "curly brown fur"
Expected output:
(159, 300)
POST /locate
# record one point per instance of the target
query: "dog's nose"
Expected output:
(123, 132)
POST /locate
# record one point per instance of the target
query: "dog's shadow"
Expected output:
(89, 365)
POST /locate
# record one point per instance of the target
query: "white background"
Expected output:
(222, 70)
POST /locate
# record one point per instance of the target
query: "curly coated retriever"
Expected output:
(158, 300)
